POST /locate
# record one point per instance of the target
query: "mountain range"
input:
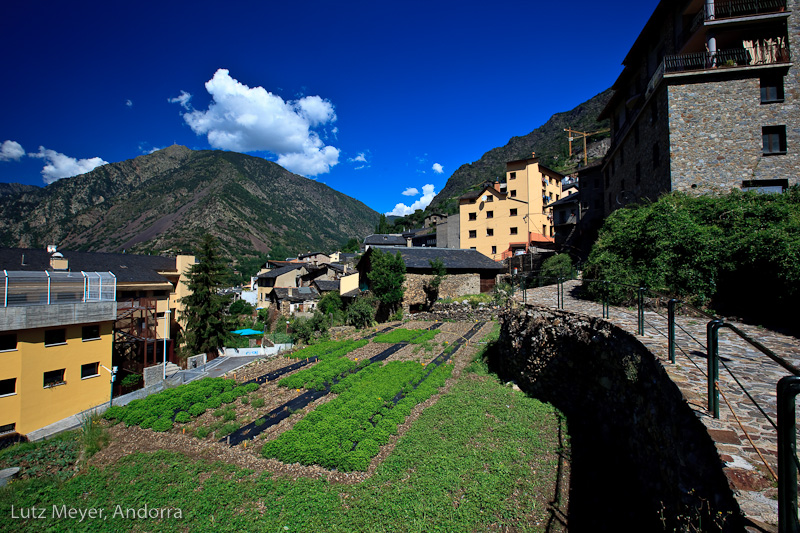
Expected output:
(550, 143)
(163, 202)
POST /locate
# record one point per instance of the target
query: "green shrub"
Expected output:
(183, 417)
(227, 429)
(361, 312)
(115, 412)
(197, 409)
(227, 397)
(557, 266)
(229, 415)
(257, 403)
(261, 421)
(162, 424)
(202, 432)
(214, 403)
(245, 400)
(148, 422)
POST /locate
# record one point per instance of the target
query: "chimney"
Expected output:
(497, 185)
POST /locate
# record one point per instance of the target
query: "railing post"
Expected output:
(606, 313)
(5, 297)
(641, 310)
(560, 293)
(671, 328)
(788, 389)
(712, 334)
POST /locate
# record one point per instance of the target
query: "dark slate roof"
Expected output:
(128, 268)
(275, 272)
(310, 254)
(343, 257)
(327, 285)
(351, 294)
(453, 259)
(299, 294)
(385, 240)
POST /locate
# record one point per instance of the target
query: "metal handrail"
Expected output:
(788, 388)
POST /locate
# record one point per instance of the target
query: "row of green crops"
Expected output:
(414, 336)
(180, 404)
(323, 372)
(347, 432)
(328, 349)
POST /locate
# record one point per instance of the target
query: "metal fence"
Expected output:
(787, 388)
(24, 288)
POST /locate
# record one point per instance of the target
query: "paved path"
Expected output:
(751, 479)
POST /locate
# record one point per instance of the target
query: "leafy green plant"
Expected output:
(183, 417)
(257, 403)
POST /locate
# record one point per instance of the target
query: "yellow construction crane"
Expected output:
(575, 134)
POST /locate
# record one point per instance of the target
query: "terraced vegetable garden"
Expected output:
(381, 446)
(371, 397)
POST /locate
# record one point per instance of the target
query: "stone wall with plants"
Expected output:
(622, 410)
(452, 286)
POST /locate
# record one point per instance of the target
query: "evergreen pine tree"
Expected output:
(205, 307)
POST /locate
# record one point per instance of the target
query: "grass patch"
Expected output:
(466, 464)
(413, 336)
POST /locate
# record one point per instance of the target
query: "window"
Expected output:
(513, 231)
(512, 213)
(90, 370)
(771, 89)
(8, 342)
(473, 216)
(472, 248)
(512, 175)
(54, 377)
(91, 333)
(512, 193)
(489, 198)
(55, 336)
(551, 231)
(656, 156)
(489, 232)
(773, 139)
(489, 214)
(8, 428)
(473, 233)
(494, 250)
(544, 229)
(764, 186)
(8, 386)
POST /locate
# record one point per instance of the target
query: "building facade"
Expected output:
(707, 102)
(56, 334)
(500, 220)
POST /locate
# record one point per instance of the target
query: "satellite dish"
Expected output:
(624, 197)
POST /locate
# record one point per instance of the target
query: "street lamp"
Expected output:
(113, 372)
(166, 336)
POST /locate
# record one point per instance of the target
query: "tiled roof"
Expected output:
(385, 239)
(298, 294)
(275, 272)
(310, 254)
(453, 259)
(326, 285)
(128, 268)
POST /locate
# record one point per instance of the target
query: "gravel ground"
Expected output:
(129, 440)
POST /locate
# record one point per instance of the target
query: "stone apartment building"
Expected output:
(707, 101)
(498, 220)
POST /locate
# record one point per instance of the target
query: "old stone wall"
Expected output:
(459, 311)
(640, 455)
(452, 286)
(715, 134)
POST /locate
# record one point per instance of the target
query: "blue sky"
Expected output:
(375, 99)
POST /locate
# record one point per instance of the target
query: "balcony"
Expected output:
(742, 8)
(769, 52)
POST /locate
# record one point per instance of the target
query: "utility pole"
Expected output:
(577, 134)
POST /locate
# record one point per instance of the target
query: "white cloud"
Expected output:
(182, 99)
(245, 119)
(11, 150)
(411, 191)
(437, 168)
(402, 209)
(129, 103)
(61, 166)
(360, 157)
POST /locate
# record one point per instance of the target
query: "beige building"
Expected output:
(498, 220)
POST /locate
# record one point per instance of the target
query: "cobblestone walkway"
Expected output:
(749, 476)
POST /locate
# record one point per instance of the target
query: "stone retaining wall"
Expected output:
(452, 286)
(640, 455)
(458, 311)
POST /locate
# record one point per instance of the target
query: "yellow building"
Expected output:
(500, 219)
(56, 333)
